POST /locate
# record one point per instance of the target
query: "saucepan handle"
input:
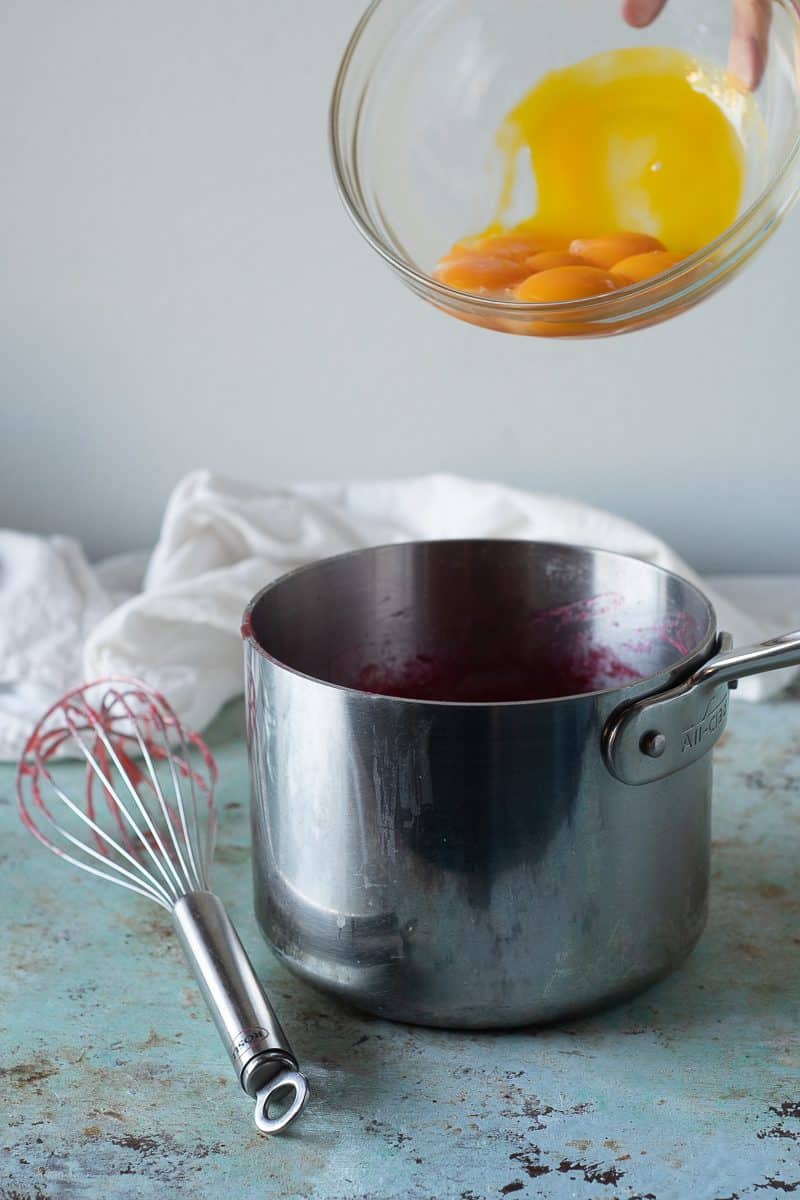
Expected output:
(658, 735)
(731, 665)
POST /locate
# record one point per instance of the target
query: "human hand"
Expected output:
(751, 21)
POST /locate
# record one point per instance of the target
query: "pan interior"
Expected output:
(481, 621)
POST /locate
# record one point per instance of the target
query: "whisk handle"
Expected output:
(251, 1032)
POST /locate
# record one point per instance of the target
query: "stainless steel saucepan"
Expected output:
(482, 775)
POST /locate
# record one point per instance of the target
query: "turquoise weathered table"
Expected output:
(113, 1082)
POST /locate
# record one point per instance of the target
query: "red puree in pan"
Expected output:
(570, 664)
(430, 677)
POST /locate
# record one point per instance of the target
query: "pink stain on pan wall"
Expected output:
(571, 663)
(579, 611)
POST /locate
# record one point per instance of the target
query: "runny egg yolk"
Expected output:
(630, 140)
(636, 165)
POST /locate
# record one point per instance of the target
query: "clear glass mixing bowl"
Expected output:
(423, 87)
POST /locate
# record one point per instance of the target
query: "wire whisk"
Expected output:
(145, 821)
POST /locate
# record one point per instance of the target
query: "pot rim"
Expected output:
(671, 676)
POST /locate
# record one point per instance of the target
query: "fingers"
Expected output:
(748, 57)
(751, 22)
(641, 12)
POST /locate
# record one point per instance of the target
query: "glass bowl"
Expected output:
(424, 86)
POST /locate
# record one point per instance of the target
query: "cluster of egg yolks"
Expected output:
(626, 140)
(526, 269)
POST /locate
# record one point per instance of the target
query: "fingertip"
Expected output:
(641, 12)
(750, 41)
(748, 60)
(632, 12)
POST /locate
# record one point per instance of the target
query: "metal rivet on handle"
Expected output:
(653, 744)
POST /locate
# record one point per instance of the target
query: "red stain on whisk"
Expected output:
(123, 739)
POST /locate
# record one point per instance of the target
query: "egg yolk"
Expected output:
(605, 251)
(545, 260)
(636, 165)
(644, 266)
(565, 283)
(635, 139)
(480, 273)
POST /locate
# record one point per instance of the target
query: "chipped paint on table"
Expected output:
(113, 1082)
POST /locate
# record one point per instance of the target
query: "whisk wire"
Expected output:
(131, 887)
(206, 829)
(198, 843)
(154, 718)
(196, 874)
(164, 864)
(153, 839)
(148, 885)
(196, 877)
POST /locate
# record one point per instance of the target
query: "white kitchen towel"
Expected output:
(50, 600)
(62, 620)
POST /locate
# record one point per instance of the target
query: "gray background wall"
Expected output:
(179, 287)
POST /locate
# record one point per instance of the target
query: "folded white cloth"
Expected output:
(62, 620)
